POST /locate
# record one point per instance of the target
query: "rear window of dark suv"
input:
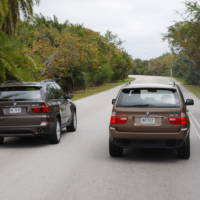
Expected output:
(22, 93)
(148, 97)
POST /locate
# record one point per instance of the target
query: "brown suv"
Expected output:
(35, 109)
(150, 116)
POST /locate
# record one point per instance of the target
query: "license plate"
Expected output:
(148, 121)
(15, 110)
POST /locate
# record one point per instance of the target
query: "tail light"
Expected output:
(178, 120)
(43, 108)
(118, 120)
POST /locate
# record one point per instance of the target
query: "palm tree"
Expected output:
(12, 13)
(3, 10)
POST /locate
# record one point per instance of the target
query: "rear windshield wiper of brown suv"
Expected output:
(137, 105)
(6, 100)
(13, 99)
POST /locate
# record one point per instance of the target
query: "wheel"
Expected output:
(114, 150)
(73, 125)
(1, 140)
(184, 151)
(55, 133)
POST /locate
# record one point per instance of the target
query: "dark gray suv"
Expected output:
(35, 109)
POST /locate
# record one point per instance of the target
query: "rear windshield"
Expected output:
(150, 97)
(25, 93)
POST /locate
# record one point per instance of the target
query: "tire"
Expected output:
(184, 151)
(73, 125)
(1, 140)
(55, 133)
(114, 150)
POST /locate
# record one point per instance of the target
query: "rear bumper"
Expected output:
(149, 140)
(156, 143)
(23, 131)
(146, 135)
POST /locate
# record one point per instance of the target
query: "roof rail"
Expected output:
(47, 80)
(128, 83)
(51, 80)
(10, 81)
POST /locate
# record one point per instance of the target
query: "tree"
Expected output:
(10, 13)
(3, 8)
(79, 57)
(14, 63)
(183, 36)
(184, 68)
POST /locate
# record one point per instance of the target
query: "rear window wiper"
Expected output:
(137, 105)
(14, 99)
(141, 105)
(5, 99)
(20, 99)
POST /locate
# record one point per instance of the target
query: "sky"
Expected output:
(139, 23)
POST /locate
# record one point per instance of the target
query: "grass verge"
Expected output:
(93, 90)
(195, 89)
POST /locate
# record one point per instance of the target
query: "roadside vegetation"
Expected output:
(184, 40)
(39, 47)
(195, 89)
(93, 90)
(184, 60)
(42, 48)
(160, 66)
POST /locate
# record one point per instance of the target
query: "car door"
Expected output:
(55, 102)
(65, 103)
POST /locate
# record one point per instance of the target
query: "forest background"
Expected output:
(35, 47)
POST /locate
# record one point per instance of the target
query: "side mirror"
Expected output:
(69, 96)
(113, 101)
(189, 102)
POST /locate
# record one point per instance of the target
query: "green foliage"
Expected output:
(93, 90)
(10, 11)
(139, 67)
(184, 40)
(78, 56)
(75, 54)
(14, 63)
(3, 8)
(193, 10)
(184, 68)
(195, 89)
(159, 66)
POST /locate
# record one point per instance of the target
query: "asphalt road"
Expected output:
(80, 168)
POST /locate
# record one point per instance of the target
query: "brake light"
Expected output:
(43, 108)
(36, 109)
(178, 120)
(118, 120)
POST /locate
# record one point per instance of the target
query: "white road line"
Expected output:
(195, 123)
(196, 130)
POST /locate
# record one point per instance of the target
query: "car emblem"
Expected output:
(147, 114)
(14, 104)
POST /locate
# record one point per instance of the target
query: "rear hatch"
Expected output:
(17, 104)
(148, 110)
(149, 120)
